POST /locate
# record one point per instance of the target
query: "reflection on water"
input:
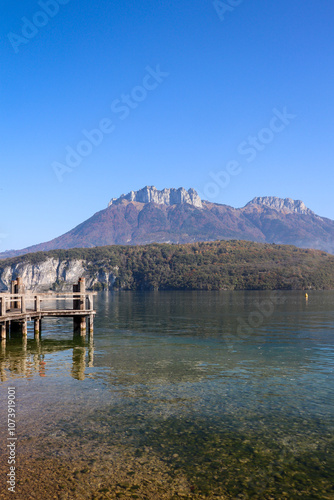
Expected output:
(23, 357)
(170, 399)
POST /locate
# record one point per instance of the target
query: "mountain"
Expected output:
(180, 216)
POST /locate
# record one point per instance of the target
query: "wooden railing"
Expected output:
(20, 307)
(9, 303)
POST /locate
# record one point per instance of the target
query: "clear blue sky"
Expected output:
(228, 69)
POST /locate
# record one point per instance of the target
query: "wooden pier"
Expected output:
(19, 307)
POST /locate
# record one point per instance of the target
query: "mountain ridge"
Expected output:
(287, 204)
(180, 216)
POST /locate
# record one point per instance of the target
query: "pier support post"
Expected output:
(37, 327)
(24, 328)
(13, 285)
(23, 304)
(79, 322)
(82, 289)
(3, 377)
(80, 326)
(83, 325)
(3, 331)
(24, 351)
(19, 289)
(16, 287)
(3, 306)
(91, 324)
(37, 303)
(79, 301)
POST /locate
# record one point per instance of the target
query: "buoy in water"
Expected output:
(306, 296)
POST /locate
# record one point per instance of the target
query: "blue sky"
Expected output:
(186, 93)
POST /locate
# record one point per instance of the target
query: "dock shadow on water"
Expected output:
(162, 404)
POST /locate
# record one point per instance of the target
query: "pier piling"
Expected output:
(79, 322)
(37, 327)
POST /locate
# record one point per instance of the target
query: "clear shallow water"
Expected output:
(228, 392)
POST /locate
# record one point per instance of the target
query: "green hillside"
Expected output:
(220, 265)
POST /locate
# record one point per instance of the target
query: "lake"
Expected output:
(224, 395)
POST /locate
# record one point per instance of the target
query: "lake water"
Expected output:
(178, 395)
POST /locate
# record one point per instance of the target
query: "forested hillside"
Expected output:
(220, 265)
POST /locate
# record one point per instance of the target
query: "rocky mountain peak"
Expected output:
(268, 219)
(166, 196)
(287, 205)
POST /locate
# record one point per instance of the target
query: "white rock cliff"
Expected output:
(53, 273)
(167, 196)
(287, 205)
